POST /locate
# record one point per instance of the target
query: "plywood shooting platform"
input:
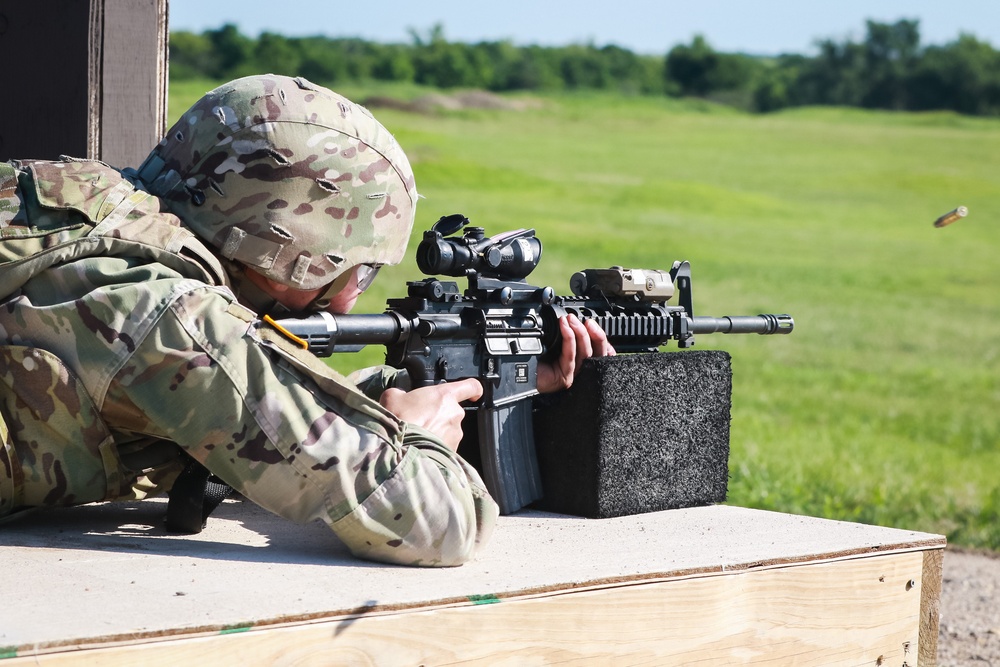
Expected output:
(712, 585)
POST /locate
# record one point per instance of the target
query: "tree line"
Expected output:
(888, 69)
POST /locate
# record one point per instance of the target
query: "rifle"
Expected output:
(499, 328)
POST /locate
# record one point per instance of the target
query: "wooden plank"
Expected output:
(863, 610)
(101, 94)
(133, 86)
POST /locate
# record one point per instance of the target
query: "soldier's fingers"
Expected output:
(584, 348)
(469, 389)
(390, 396)
(599, 340)
(567, 356)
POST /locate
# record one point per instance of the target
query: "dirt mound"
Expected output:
(456, 101)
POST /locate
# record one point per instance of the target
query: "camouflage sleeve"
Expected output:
(299, 440)
(373, 381)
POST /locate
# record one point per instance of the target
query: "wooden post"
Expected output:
(87, 79)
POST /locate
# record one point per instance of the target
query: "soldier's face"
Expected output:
(346, 290)
(299, 301)
(295, 300)
(344, 300)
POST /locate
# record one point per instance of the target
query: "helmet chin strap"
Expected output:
(338, 285)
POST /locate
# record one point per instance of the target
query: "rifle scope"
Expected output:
(508, 256)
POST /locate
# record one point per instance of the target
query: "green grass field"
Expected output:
(884, 405)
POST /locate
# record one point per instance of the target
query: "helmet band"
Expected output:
(301, 268)
(251, 250)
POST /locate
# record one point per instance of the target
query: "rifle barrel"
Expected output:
(764, 324)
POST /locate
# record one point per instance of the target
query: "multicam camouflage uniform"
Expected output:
(122, 343)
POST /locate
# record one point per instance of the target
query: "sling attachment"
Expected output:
(194, 496)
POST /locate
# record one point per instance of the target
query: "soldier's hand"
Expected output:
(436, 408)
(580, 340)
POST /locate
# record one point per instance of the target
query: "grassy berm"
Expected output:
(884, 405)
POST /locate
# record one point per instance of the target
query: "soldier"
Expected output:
(130, 342)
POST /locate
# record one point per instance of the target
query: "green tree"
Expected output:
(891, 52)
(690, 66)
(963, 76)
(191, 56)
(320, 60)
(700, 70)
(276, 54)
(392, 62)
(888, 69)
(524, 68)
(583, 67)
(631, 73)
(775, 85)
(834, 76)
(232, 50)
(437, 62)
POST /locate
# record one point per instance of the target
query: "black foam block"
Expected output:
(637, 433)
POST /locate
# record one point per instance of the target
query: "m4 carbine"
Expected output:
(499, 328)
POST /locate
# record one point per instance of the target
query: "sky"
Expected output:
(759, 27)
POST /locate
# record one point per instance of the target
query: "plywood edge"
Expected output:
(930, 606)
(932, 548)
(845, 611)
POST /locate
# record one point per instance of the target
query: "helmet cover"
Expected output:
(288, 178)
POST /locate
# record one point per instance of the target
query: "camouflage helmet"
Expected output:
(288, 178)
